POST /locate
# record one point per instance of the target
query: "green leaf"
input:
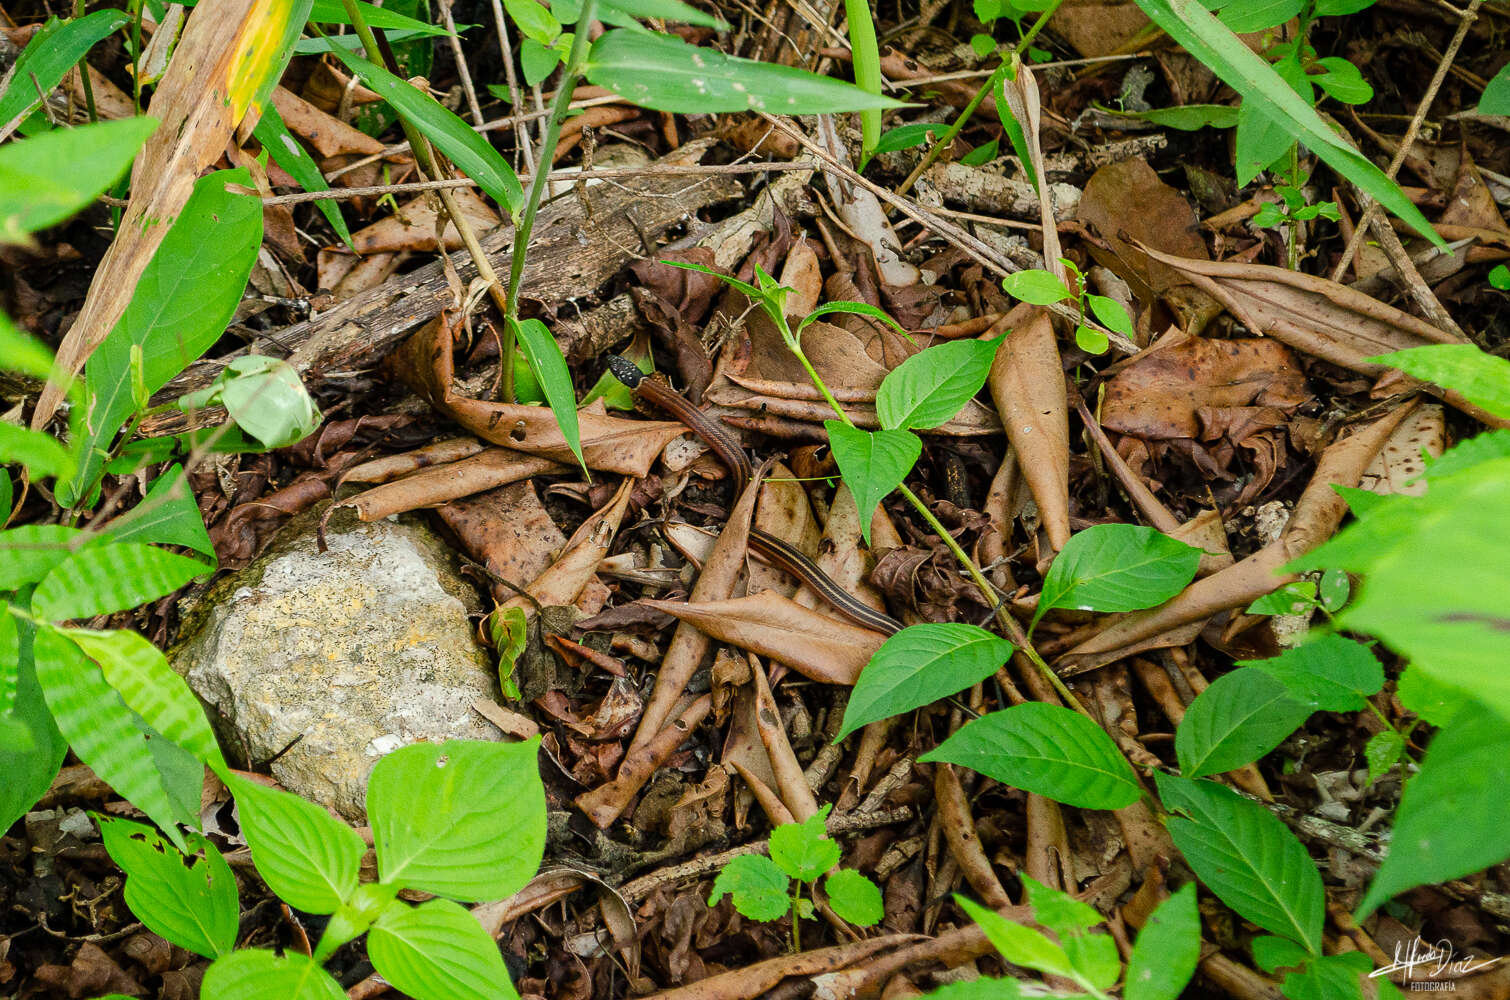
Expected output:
(157, 776)
(1435, 702)
(1335, 8)
(1343, 81)
(981, 155)
(1010, 125)
(1058, 910)
(292, 157)
(1046, 749)
(1271, 953)
(186, 296)
(760, 889)
(334, 12)
(1110, 314)
(29, 553)
(452, 136)
(1264, 140)
(1496, 97)
(854, 308)
(667, 74)
(908, 136)
(1210, 41)
(257, 974)
(1327, 673)
(1451, 820)
(533, 20)
(1039, 288)
(1482, 378)
(1244, 16)
(111, 577)
(140, 674)
(804, 850)
(1433, 583)
(1017, 943)
(1247, 857)
(549, 366)
(1117, 567)
(981, 988)
(1167, 949)
(354, 917)
(41, 453)
(1335, 588)
(930, 387)
(854, 897)
(1330, 977)
(666, 10)
(10, 674)
(1499, 274)
(56, 48)
(306, 856)
(1291, 599)
(1239, 718)
(538, 61)
(873, 463)
(189, 900)
(21, 352)
(1095, 958)
(918, 666)
(1091, 340)
(461, 819)
(51, 177)
(1383, 751)
(33, 749)
(437, 951)
(267, 399)
(167, 515)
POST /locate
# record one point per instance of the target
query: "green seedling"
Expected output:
(769, 888)
(1043, 288)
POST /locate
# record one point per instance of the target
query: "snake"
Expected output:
(780, 553)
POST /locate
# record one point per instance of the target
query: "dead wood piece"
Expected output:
(576, 248)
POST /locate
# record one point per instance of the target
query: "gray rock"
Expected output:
(354, 652)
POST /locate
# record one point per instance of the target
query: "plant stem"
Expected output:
(1003, 617)
(947, 139)
(570, 73)
(796, 921)
(865, 56)
(78, 11)
(424, 158)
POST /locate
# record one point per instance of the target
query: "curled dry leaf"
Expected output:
(228, 51)
(767, 624)
(439, 484)
(412, 227)
(756, 980)
(326, 134)
(610, 444)
(1027, 384)
(562, 581)
(1317, 317)
(507, 530)
(608, 801)
(381, 470)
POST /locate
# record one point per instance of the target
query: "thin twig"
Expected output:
(461, 60)
(516, 96)
(1409, 139)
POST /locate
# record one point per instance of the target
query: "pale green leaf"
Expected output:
(1496, 96)
(760, 889)
(30, 552)
(267, 399)
(1058, 911)
(465, 148)
(918, 666)
(1040, 288)
(258, 974)
(1110, 314)
(1247, 857)
(152, 773)
(854, 897)
(1018, 944)
(306, 856)
(1343, 81)
(109, 577)
(189, 900)
(1243, 16)
(1291, 599)
(853, 308)
(140, 674)
(538, 61)
(804, 850)
(1046, 749)
(1482, 378)
(21, 352)
(1167, 949)
(462, 819)
(1451, 820)
(873, 463)
(334, 12)
(438, 951)
(533, 20)
(932, 386)
(293, 158)
(1383, 751)
(908, 136)
(1242, 716)
(51, 177)
(667, 74)
(1117, 567)
(41, 453)
(33, 749)
(667, 10)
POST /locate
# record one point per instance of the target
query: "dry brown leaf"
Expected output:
(226, 50)
(783, 510)
(381, 470)
(507, 530)
(608, 801)
(1027, 384)
(1401, 462)
(610, 444)
(562, 581)
(767, 624)
(756, 980)
(841, 555)
(412, 227)
(438, 484)
(1316, 316)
